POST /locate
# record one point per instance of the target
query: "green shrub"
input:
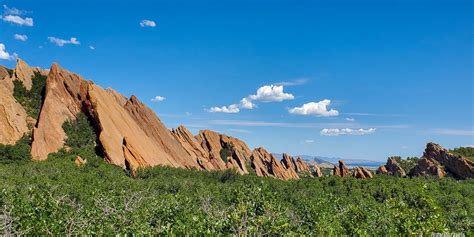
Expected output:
(18, 152)
(225, 153)
(467, 152)
(80, 132)
(32, 99)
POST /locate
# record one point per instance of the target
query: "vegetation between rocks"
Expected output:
(32, 99)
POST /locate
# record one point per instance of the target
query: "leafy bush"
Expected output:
(467, 152)
(80, 132)
(225, 152)
(18, 152)
(32, 99)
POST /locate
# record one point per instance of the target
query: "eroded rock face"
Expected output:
(238, 153)
(147, 120)
(361, 173)
(64, 96)
(427, 166)
(438, 161)
(316, 171)
(24, 73)
(382, 170)
(12, 117)
(295, 165)
(341, 170)
(392, 168)
(192, 147)
(265, 164)
(458, 166)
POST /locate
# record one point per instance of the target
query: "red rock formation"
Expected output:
(12, 117)
(192, 147)
(64, 94)
(147, 120)
(316, 171)
(456, 165)
(214, 143)
(392, 168)
(382, 170)
(295, 166)
(361, 173)
(341, 170)
(427, 166)
(265, 164)
(437, 161)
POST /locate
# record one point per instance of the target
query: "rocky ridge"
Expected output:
(132, 136)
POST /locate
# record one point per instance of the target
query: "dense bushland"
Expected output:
(57, 197)
(464, 151)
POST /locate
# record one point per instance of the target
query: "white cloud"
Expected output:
(18, 20)
(296, 82)
(309, 141)
(20, 37)
(158, 98)
(350, 119)
(317, 109)
(346, 131)
(91, 47)
(62, 42)
(147, 23)
(271, 93)
(12, 11)
(246, 103)
(4, 54)
(231, 109)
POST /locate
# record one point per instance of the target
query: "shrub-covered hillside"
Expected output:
(57, 197)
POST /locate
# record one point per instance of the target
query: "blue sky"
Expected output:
(351, 79)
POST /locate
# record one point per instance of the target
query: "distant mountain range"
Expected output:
(329, 162)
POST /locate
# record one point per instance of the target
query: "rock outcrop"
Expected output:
(224, 152)
(265, 164)
(437, 161)
(361, 173)
(23, 72)
(392, 168)
(427, 166)
(12, 117)
(297, 165)
(316, 171)
(65, 93)
(341, 170)
(193, 148)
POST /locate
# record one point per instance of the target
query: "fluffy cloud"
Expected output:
(20, 37)
(158, 98)
(246, 103)
(91, 47)
(231, 109)
(271, 93)
(18, 20)
(4, 54)
(147, 23)
(62, 42)
(318, 109)
(346, 131)
(350, 119)
(309, 141)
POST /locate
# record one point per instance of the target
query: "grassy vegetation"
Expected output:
(32, 99)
